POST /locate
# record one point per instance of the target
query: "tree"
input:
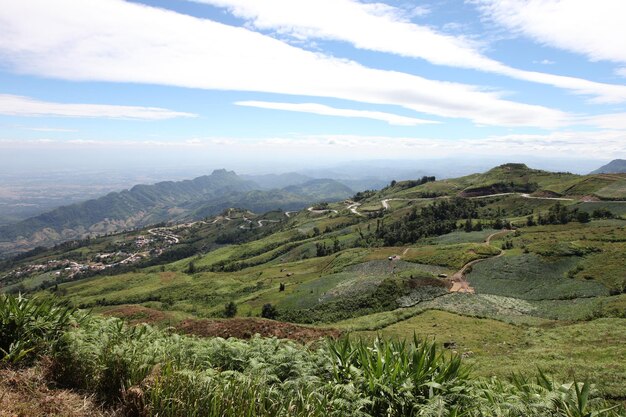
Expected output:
(269, 311)
(468, 225)
(191, 268)
(281, 287)
(602, 213)
(336, 245)
(230, 309)
(530, 221)
(583, 217)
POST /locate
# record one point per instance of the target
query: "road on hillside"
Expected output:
(312, 210)
(459, 282)
(524, 195)
(353, 208)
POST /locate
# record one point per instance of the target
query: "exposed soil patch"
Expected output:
(589, 198)
(245, 328)
(25, 393)
(136, 314)
(546, 194)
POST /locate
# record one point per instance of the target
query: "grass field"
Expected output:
(453, 256)
(585, 350)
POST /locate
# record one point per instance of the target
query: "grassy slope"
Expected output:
(588, 349)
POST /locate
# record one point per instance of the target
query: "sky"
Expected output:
(297, 83)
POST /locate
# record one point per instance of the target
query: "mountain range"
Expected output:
(164, 201)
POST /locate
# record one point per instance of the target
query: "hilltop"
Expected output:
(518, 178)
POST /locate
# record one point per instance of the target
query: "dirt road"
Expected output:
(459, 282)
(353, 208)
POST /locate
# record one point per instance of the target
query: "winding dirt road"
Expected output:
(353, 208)
(386, 201)
(459, 282)
(312, 210)
(523, 195)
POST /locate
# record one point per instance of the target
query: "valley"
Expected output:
(512, 281)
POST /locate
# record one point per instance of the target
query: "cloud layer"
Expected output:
(11, 105)
(596, 29)
(560, 144)
(113, 40)
(321, 109)
(383, 28)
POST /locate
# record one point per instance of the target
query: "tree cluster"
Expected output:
(322, 250)
(436, 219)
(560, 214)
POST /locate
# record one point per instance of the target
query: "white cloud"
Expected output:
(604, 144)
(621, 72)
(113, 40)
(596, 29)
(11, 105)
(605, 121)
(383, 28)
(321, 109)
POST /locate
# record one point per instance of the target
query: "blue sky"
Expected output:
(169, 82)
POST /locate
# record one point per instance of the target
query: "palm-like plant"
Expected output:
(29, 327)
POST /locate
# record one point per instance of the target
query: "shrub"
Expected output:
(230, 309)
(269, 312)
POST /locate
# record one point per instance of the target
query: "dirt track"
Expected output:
(459, 282)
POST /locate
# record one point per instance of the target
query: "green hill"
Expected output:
(616, 166)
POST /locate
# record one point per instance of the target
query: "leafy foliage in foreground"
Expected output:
(171, 375)
(151, 372)
(29, 326)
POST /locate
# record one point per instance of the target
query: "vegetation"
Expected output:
(150, 372)
(30, 327)
(547, 278)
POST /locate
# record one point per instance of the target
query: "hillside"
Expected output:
(616, 166)
(273, 181)
(290, 198)
(518, 178)
(512, 281)
(165, 201)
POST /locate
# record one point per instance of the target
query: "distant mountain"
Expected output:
(272, 181)
(141, 205)
(165, 201)
(321, 189)
(294, 197)
(616, 166)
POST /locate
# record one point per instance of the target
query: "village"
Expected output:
(142, 247)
